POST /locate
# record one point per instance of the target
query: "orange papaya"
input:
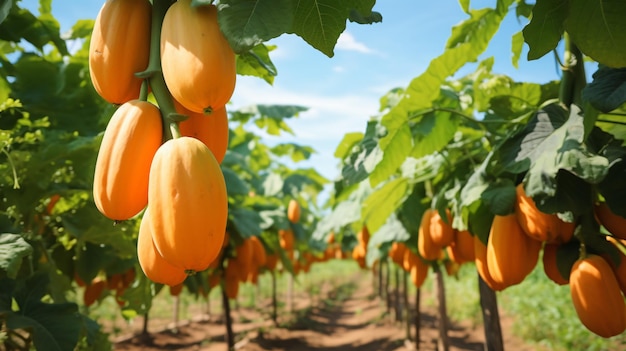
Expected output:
(155, 267)
(119, 48)
(191, 38)
(441, 232)
(189, 204)
(425, 245)
(550, 265)
(131, 139)
(597, 297)
(614, 223)
(293, 211)
(211, 130)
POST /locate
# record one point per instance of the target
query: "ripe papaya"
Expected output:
(231, 279)
(550, 265)
(511, 254)
(191, 38)
(480, 258)
(93, 291)
(363, 236)
(131, 139)
(119, 48)
(293, 211)
(244, 258)
(596, 296)
(286, 239)
(176, 289)
(464, 245)
(211, 130)
(271, 262)
(425, 245)
(155, 267)
(418, 270)
(614, 223)
(396, 252)
(189, 204)
(441, 231)
(259, 256)
(536, 224)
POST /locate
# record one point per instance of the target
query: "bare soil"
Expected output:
(358, 320)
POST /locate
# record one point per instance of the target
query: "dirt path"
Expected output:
(348, 318)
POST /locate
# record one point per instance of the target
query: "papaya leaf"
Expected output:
(5, 7)
(432, 133)
(364, 157)
(246, 221)
(320, 22)
(256, 62)
(13, 248)
(138, 297)
(372, 17)
(544, 31)
(249, 23)
(500, 196)
(55, 327)
(598, 29)
(396, 147)
(517, 43)
(347, 144)
(391, 231)
(383, 202)
(465, 5)
(552, 149)
(272, 184)
(234, 184)
(607, 91)
(296, 152)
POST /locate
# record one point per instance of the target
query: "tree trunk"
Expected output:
(230, 337)
(407, 309)
(444, 342)
(417, 318)
(144, 330)
(491, 317)
(380, 278)
(387, 287)
(396, 295)
(274, 302)
(290, 293)
(176, 311)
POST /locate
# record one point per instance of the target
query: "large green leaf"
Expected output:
(383, 202)
(256, 62)
(346, 144)
(544, 31)
(234, 184)
(363, 158)
(247, 222)
(249, 23)
(599, 30)
(13, 248)
(295, 151)
(608, 89)
(5, 7)
(55, 327)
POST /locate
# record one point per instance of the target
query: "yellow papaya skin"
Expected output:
(155, 267)
(130, 141)
(188, 202)
(191, 38)
(211, 130)
(119, 48)
(597, 297)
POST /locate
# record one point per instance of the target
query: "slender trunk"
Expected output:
(444, 342)
(380, 278)
(417, 318)
(290, 293)
(491, 317)
(396, 295)
(144, 329)
(407, 309)
(387, 287)
(230, 337)
(274, 302)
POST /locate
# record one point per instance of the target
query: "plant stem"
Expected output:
(573, 80)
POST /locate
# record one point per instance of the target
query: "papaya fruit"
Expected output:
(131, 139)
(614, 223)
(293, 211)
(480, 258)
(441, 232)
(597, 297)
(191, 38)
(511, 254)
(175, 290)
(396, 252)
(363, 236)
(271, 262)
(211, 130)
(259, 256)
(231, 279)
(425, 245)
(189, 204)
(93, 291)
(550, 265)
(286, 239)
(536, 224)
(418, 270)
(119, 48)
(155, 267)
(244, 259)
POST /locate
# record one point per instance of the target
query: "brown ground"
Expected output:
(360, 322)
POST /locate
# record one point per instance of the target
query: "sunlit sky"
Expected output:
(343, 92)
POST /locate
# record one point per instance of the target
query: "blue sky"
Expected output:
(343, 92)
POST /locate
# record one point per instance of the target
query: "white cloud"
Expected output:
(347, 42)
(339, 69)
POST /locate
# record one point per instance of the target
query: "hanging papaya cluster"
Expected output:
(410, 262)
(166, 158)
(360, 250)
(515, 241)
(116, 282)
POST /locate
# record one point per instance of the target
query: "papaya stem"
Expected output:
(143, 93)
(16, 183)
(573, 80)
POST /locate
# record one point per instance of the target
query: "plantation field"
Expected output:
(330, 313)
